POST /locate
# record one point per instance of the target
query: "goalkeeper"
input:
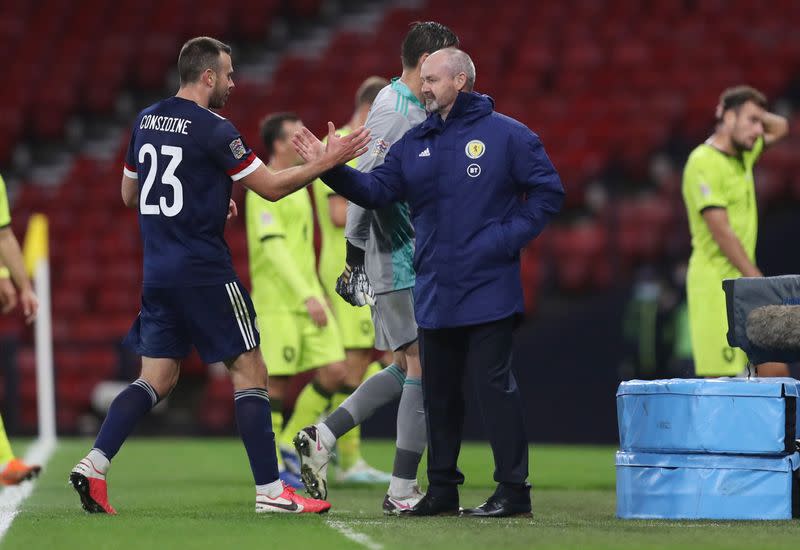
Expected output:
(14, 470)
(385, 238)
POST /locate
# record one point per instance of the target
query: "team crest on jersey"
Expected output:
(475, 149)
(237, 148)
(705, 190)
(381, 146)
(266, 218)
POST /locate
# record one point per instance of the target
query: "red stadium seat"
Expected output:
(68, 301)
(90, 363)
(101, 330)
(193, 365)
(26, 361)
(582, 257)
(216, 406)
(75, 392)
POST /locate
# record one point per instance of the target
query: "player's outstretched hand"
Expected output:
(8, 295)
(233, 211)
(307, 145)
(30, 305)
(339, 150)
(354, 287)
(344, 149)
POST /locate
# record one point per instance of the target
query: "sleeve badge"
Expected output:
(237, 148)
(381, 147)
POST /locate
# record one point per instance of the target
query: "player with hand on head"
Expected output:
(12, 268)
(380, 243)
(719, 194)
(179, 169)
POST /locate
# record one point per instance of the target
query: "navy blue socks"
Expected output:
(254, 420)
(128, 407)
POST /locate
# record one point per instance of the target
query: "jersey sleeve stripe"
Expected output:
(130, 171)
(247, 166)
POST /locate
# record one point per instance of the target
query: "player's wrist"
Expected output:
(354, 256)
(324, 163)
(4, 273)
(26, 287)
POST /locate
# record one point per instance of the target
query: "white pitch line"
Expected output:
(12, 497)
(355, 536)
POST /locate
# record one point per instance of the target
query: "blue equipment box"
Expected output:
(681, 486)
(726, 416)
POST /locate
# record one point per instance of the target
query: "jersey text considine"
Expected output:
(165, 124)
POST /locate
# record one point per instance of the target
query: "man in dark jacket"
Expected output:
(480, 187)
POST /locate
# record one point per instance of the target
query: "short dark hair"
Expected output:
(272, 129)
(369, 90)
(199, 54)
(735, 97)
(425, 37)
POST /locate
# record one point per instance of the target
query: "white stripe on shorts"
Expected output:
(238, 316)
(248, 322)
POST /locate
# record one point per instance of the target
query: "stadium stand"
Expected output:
(608, 99)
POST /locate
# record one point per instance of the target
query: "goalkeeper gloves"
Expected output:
(353, 284)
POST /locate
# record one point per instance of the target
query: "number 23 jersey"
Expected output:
(185, 158)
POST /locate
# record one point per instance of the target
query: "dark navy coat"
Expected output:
(480, 186)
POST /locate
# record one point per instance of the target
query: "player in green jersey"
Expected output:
(355, 324)
(298, 331)
(12, 267)
(719, 193)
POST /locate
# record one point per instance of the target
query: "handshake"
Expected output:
(353, 284)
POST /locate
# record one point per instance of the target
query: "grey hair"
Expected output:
(460, 62)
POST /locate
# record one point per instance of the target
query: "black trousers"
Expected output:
(483, 353)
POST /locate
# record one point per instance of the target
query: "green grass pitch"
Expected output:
(197, 493)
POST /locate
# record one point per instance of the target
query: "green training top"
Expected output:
(280, 244)
(712, 178)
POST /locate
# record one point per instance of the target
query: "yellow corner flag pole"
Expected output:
(37, 262)
(36, 246)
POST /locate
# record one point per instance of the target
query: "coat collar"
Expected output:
(468, 106)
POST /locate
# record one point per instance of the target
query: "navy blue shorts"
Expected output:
(219, 320)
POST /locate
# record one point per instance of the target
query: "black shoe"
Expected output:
(500, 507)
(431, 505)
